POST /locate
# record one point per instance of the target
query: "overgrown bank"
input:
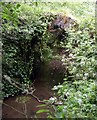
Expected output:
(24, 47)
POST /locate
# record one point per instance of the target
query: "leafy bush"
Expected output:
(23, 47)
(77, 95)
(78, 100)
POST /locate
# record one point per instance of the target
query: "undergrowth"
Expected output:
(27, 43)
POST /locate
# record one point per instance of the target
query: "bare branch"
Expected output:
(25, 110)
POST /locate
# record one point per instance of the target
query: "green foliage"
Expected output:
(78, 98)
(42, 111)
(23, 49)
(26, 43)
(83, 66)
(10, 12)
(17, 55)
(78, 95)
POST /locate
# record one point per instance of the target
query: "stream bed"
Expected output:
(25, 106)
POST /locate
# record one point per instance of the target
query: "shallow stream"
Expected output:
(25, 106)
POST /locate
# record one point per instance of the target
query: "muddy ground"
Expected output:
(25, 106)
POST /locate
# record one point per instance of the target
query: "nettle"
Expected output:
(77, 95)
(78, 100)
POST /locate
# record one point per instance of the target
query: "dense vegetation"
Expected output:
(27, 43)
(24, 45)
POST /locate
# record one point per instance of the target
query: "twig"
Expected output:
(37, 99)
(25, 110)
(10, 81)
(29, 90)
